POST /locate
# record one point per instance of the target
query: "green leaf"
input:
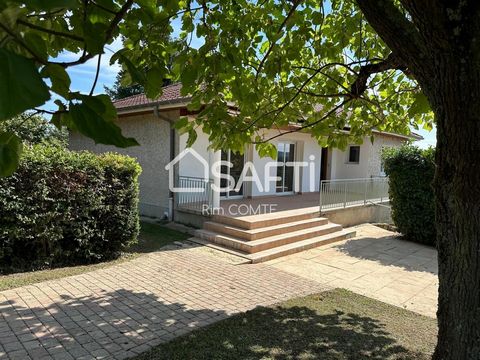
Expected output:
(192, 137)
(154, 83)
(189, 74)
(420, 105)
(94, 34)
(21, 87)
(36, 44)
(136, 74)
(93, 118)
(59, 77)
(181, 123)
(102, 104)
(10, 15)
(10, 150)
(267, 150)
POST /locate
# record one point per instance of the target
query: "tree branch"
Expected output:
(398, 32)
(392, 62)
(49, 31)
(284, 22)
(100, 6)
(108, 35)
(22, 44)
(309, 125)
(96, 74)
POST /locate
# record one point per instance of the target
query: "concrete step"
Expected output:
(269, 242)
(260, 233)
(266, 220)
(299, 246)
(280, 251)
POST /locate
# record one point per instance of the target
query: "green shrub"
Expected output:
(410, 171)
(64, 208)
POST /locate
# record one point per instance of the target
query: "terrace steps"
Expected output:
(260, 238)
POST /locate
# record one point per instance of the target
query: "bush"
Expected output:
(410, 171)
(65, 208)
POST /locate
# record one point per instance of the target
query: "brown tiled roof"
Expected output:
(171, 94)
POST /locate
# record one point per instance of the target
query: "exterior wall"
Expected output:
(189, 165)
(153, 154)
(307, 150)
(341, 169)
(375, 159)
(355, 215)
(306, 147)
(370, 159)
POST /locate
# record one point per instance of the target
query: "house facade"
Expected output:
(150, 122)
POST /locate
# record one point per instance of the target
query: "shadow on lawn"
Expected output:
(125, 323)
(288, 333)
(393, 251)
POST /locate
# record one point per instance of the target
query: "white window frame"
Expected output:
(348, 155)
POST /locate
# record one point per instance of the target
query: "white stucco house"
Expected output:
(150, 123)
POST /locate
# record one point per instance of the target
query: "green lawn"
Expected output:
(337, 324)
(152, 237)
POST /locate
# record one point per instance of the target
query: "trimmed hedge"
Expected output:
(410, 171)
(67, 208)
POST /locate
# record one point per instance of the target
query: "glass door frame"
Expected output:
(292, 192)
(227, 195)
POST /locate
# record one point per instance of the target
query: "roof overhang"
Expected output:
(154, 106)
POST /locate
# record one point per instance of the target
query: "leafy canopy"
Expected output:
(34, 129)
(249, 66)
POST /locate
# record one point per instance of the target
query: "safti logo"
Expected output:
(249, 173)
(170, 167)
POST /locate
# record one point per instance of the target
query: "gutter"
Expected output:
(171, 197)
(154, 105)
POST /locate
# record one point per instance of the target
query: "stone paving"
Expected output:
(376, 263)
(126, 309)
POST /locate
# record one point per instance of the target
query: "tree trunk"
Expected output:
(439, 41)
(455, 98)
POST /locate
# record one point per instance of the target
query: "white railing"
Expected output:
(197, 195)
(350, 192)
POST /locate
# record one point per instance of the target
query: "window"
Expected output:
(354, 154)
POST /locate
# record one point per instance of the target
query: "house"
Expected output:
(150, 123)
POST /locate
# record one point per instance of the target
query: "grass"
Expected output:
(152, 237)
(337, 324)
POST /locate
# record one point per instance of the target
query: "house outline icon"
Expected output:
(170, 168)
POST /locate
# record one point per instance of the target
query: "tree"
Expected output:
(34, 129)
(369, 64)
(120, 91)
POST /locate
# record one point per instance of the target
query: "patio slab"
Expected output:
(123, 310)
(376, 263)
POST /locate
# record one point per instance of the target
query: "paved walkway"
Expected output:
(124, 310)
(377, 264)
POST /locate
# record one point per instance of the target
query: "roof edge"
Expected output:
(131, 109)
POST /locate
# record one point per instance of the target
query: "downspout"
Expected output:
(172, 156)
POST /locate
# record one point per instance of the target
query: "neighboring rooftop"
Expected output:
(170, 94)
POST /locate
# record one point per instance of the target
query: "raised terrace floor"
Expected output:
(298, 203)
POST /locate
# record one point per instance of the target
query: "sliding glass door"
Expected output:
(285, 173)
(235, 171)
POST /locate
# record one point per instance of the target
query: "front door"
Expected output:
(235, 171)
(324, 164)
(285, 173)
